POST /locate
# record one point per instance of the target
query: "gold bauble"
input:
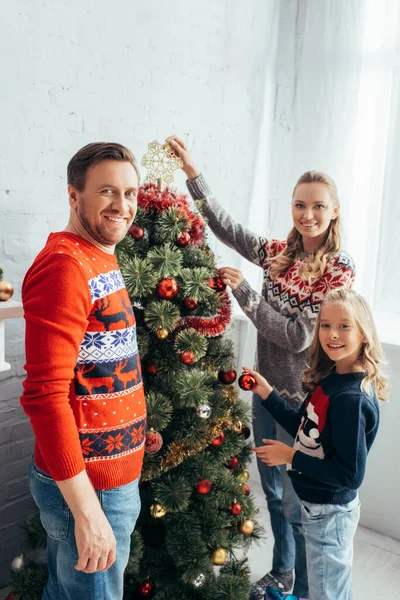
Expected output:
(218, 556)
(162, 333)
(238, 426)
(6, 290)
(158, 511)
(246, 527)
(244, 476)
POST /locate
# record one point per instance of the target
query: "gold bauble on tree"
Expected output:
(6, 290)
(162, 333)
(244, 476)
(238, 426)
(246, 527)
(218, 556)
(158, 511)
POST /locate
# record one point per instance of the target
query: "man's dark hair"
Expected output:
(90, 155)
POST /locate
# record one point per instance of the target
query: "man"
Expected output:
(83, 391)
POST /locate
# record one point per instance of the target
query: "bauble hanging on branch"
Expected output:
(246, 527)
(233, 462)
(153, 442)
(183, 240)
(203, 487)
(219, 440)
(227, 377)
(167, 289)
(204, 411)
(18, 563)
(218, 556)
(190, 304)
(136, 231)
(187, 357)
(6, 290)
(162, 333)
(146, 589)
(158, 511)
(236, 508)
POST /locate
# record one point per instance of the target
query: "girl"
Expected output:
(334, 430)
(298, 273)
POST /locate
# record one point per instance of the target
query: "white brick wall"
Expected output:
(129, 71)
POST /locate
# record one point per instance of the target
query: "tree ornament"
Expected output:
(246, 527)
(146, 589)
(6, 290)
(244, 476)
(220, 286)
(183, 239)
(219, 440)
(190, 304)
(211, 283)
(153, 442)
(227, 377)
(167, 289)
(246, 489)
(247, 382)
(246, 433)
(136, 231)
(199, 580)
(160, 162)
(233, 462)
(151, 369)
(203, 487)
(158, 511)
(236, 508)
(198, 221)
(218, 556)
(204, 411)
(18, 563)
(238, 426)
(187, 357)
(162, 333)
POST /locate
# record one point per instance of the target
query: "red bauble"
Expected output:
(203, 487)
(146, 589)
(220, 286)
(218, 441)
(227, 377)
(236, 509)
(211, 283)
(190, 304)
(187, 357)
(246, 381)
(153, 442)
(246, 489)
(183, 239)
(152, 369)
(167, 289)
(136, 231)
(233, 462)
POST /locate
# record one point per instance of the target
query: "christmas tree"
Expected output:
(197, 511)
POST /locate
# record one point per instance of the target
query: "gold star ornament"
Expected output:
(161, 162)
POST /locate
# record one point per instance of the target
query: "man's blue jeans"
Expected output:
(121, 506)
(283, 504)
(329, 531)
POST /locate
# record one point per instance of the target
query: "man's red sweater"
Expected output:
(83, 392)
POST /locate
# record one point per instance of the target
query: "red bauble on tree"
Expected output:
(153, 442)
(146, 589)
(227, 377)
(220, 286)
(190, 304)
(218, 441)
(211, 283)
(167, 289)
(136, 231)
(183, 239)
(246, 489)
(203, 487)
(151, 369)
(187, 357)
(236, 509)
(233, 462)
(247, 381)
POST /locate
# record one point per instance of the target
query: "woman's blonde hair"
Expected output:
(316, 262)
(371, 354)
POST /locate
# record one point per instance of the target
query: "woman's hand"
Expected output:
(262, 387)
(179, 148)
(231, 277)
(275, 453)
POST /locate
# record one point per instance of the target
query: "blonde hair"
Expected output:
(316, 262)
(371, 354)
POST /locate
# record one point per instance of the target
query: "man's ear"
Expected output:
(73, 196)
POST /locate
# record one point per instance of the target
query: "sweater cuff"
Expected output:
(242, 292)
(198, 187)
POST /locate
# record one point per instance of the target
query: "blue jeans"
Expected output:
(283, 503)
(121, 506)
(329, 531)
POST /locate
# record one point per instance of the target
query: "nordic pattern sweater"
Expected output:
(284, 314)
(83, 391)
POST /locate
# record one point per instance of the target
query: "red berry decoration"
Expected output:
(187, 357)
(136, 231)
(211, 283)
(146, 589)
(190, 304)
(236, 509)
(218, 441)
(203, 487)
(246, 489)
(167, 289)
(220, 286)
(153, 442)
(233, 462)
(183, 239)
(227, 377)
(247, 381)
(152, 369)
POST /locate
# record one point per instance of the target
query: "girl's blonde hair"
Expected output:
(371, 354)
(316, 262)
